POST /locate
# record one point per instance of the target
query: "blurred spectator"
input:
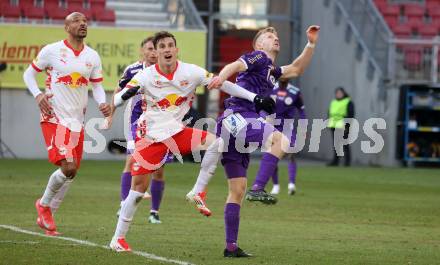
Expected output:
(341, 107)
(2, 66)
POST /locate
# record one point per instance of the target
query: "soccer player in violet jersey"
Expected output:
(242, 125)
(149, 57)
(288, 105)
(168, 89)
(71, 66)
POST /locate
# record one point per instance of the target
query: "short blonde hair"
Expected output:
(261, 32)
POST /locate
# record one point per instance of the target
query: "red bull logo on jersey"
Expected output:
(73, 80)
(171, 101)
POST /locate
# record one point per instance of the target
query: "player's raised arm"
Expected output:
(227, 71)
(297, 67)
(262, 103)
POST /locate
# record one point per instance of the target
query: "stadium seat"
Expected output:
(392, 21)
(98, 4)
(104, 15)
(29, 10)
(10, 11)
(77, 6)
(434, 13)
(391, 10)
(100, 12)
(415, 23)
(428, 30)
(54, 10)
(413, 57)
(430, 4)
(414, 10)
(402, 30)
(381, 4)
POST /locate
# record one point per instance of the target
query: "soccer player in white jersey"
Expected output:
(168, 90)
(135, 106)
(71, 66)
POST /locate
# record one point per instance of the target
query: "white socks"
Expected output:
(56, 180)
(209, 164)
(59, 196)
(127, 212)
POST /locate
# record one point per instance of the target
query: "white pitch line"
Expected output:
(91, 244)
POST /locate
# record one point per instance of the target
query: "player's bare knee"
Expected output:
(69, 170)
(158, 176)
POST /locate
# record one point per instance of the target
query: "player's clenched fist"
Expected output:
(313, 34)
(264, 103)
(44, 104)
(105, 109)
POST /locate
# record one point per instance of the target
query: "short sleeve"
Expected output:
(42, 61)
(203, 77)
(254, 60)
(96, 75)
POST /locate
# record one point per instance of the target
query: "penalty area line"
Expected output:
(91, 244)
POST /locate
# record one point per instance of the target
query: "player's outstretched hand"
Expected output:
(216, 82)
(44, 104)
(264, 103)
(105, 109)
(313, 34)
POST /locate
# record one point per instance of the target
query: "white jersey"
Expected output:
(69, 73)
(167, 97)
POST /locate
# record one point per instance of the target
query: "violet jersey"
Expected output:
(259, 77)
(288, 103)
(135, 103)
(69, 74)
(167, 98)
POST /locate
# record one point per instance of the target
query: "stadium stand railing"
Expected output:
(180, 14)
(401, 36)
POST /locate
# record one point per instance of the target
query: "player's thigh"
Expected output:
(189, 139)
(159, 174)
(148, 157)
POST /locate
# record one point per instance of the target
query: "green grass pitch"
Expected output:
(339, 216)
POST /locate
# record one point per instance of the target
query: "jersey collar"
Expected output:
(76, 52)
(169, 76)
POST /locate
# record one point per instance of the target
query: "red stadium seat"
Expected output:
(414, 10)
(415, 23)
(432, 4)
(392, 21)
(75, 6)
(98, 4)
(75, 2)
(54, 10)
(104, 15)
(413, 58)
(402, 30)
(391, 10)
(10, 11)
(434, 13)
(428, 30)
(31, 11)
(381, 4)
(100, 12)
